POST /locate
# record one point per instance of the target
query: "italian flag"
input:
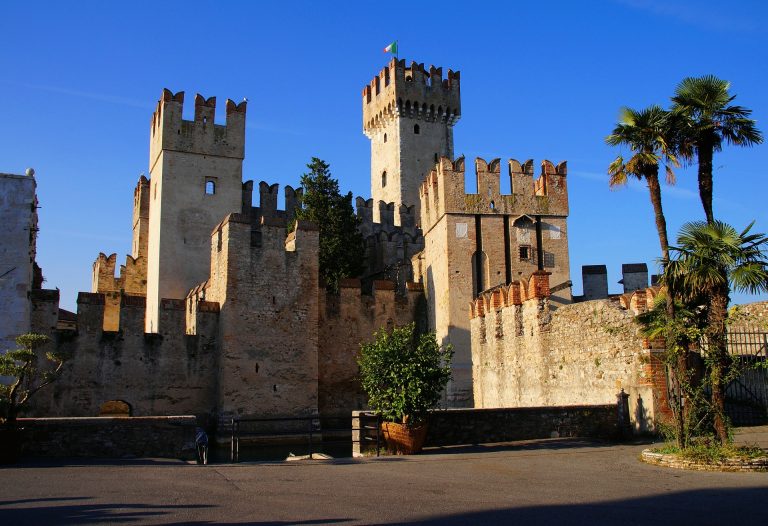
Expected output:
(392, 48)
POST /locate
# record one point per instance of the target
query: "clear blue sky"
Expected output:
(539, 80)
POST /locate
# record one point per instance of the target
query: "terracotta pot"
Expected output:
(404, 439)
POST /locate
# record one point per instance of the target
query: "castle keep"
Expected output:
(218, 311)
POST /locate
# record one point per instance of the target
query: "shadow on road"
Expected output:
(531, 445)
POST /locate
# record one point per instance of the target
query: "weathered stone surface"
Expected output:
(18, 217)
(584, 353)
(453, 427)
(110, 437)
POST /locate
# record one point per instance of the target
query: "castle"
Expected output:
(217, 313)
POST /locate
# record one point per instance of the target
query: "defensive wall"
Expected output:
(390, 243)
(18, 216)
(259, 337)
(350, 318)
(525, 354)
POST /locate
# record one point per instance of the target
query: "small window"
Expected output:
(210, 188)
(385, 137)
(383, 179)
(436, 158)
(408, 78)
(525, 252)
(416, 129)
(549, 260)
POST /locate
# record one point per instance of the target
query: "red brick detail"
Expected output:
(538, 284)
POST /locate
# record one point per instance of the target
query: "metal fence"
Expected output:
(311, 433)
(747, 395)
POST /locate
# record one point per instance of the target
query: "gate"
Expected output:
(746, 397)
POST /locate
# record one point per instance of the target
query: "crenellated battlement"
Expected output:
(268, 203)
(103, 277)
(442, 191)
(169, 131)
(536, 287)
(411, 92)
(391, 217)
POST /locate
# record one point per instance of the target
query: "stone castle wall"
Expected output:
(168, 373)
(18, 217)
(346, 321)
(526, 354)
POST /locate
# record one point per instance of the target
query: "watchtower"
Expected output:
(195, 180)
(408, 114)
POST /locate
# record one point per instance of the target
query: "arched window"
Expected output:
(385, 137)
(416, 129)
(383, 179)
(210, 188)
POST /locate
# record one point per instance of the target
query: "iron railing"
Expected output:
(313, 431)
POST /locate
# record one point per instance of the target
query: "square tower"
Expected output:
(196, 172)
(408, 114)
(479, 242)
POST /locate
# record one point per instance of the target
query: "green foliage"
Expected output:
(709, 261)
(28, 377)
(649, 133)
(708, 451)
(342, 250)
(404, 373)
(705, 119)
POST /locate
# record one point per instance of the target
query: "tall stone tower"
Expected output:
(195, 181)
(408, 114)
(477, 242)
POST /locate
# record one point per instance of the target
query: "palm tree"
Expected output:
(711, 259)
(650, 134)
(708, 120)
(647, 133)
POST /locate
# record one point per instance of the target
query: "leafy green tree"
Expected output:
(404, 373)
(711, 259)
(342, 251)
(27, 376)
(708, 120)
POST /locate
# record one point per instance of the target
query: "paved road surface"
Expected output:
(568, 482)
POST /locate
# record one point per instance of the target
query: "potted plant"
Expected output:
(26, 379)
(404, 373)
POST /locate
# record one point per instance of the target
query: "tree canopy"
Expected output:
(341, 245)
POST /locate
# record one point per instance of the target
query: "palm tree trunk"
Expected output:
(661, 223)
(681, 365)
(719, 359)
(705, 154)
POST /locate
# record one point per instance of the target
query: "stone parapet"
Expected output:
(110, 437)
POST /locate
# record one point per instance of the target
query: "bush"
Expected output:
(404, 373)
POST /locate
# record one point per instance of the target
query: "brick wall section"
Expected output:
(110, 437)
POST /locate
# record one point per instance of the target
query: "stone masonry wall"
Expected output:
(168, 373)
(527, 355)
(455, 427)
(18, 217)
(346, 321)
(110, 437)
(267, 287)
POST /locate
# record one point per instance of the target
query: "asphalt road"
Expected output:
(546, 482)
